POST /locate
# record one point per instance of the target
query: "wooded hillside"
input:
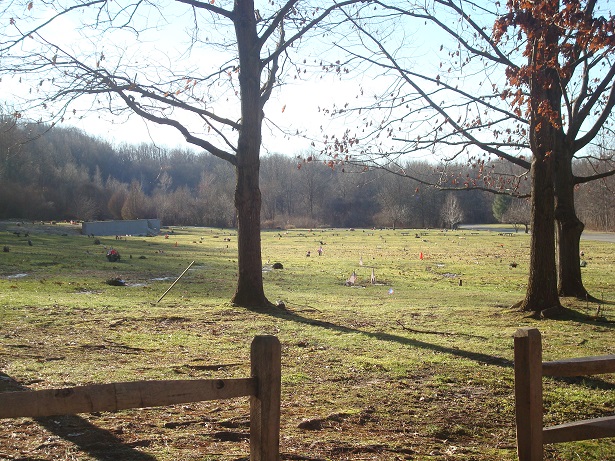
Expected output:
(63, 173)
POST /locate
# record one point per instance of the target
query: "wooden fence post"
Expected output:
(528, 394)
(265, 405)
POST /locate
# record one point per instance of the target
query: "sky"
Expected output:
(296, 106)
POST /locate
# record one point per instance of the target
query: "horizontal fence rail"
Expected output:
(529, 371)
(263, 388)
(120, 396)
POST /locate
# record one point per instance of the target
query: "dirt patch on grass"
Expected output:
(343, 412)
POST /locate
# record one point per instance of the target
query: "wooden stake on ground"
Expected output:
(177, 280)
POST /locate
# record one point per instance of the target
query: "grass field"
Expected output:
(417, 366)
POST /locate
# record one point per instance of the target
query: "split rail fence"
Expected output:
(529, 370)
(263, 388)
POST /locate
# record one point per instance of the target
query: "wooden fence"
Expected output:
(263, 387)
(529, 370)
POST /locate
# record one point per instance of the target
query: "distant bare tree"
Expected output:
(596, 199)
(451, 211)
(85, 208)
(136, 204)
(394, 197)
(518, 212)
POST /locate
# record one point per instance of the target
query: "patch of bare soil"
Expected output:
(382, 419)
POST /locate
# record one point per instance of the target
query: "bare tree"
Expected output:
(596, 199)
(531, 84)
(519, 212)
(214, 198)
(451, 212)
(213, 90)
(394, 197)
(312, 183)
(136, 205)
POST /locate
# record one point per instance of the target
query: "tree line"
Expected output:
(62, 173)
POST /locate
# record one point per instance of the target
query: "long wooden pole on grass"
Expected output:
(173, 284)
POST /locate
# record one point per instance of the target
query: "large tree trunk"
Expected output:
(546, 144)
(541, 291)
(569, 230)
(250, 292)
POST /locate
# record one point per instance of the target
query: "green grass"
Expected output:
(417, 366)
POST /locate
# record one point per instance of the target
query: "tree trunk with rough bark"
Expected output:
(546, 144)
(541, 291)
(250, 292)
(569, 230)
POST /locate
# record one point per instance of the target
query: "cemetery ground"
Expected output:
(417, 366)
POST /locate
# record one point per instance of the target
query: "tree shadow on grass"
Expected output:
(98, 443)
(474, 356)
(486, 359)
(576, 315)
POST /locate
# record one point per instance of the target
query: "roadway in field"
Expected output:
(587, 235)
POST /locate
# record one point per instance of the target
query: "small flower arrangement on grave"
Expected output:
(113, 255)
